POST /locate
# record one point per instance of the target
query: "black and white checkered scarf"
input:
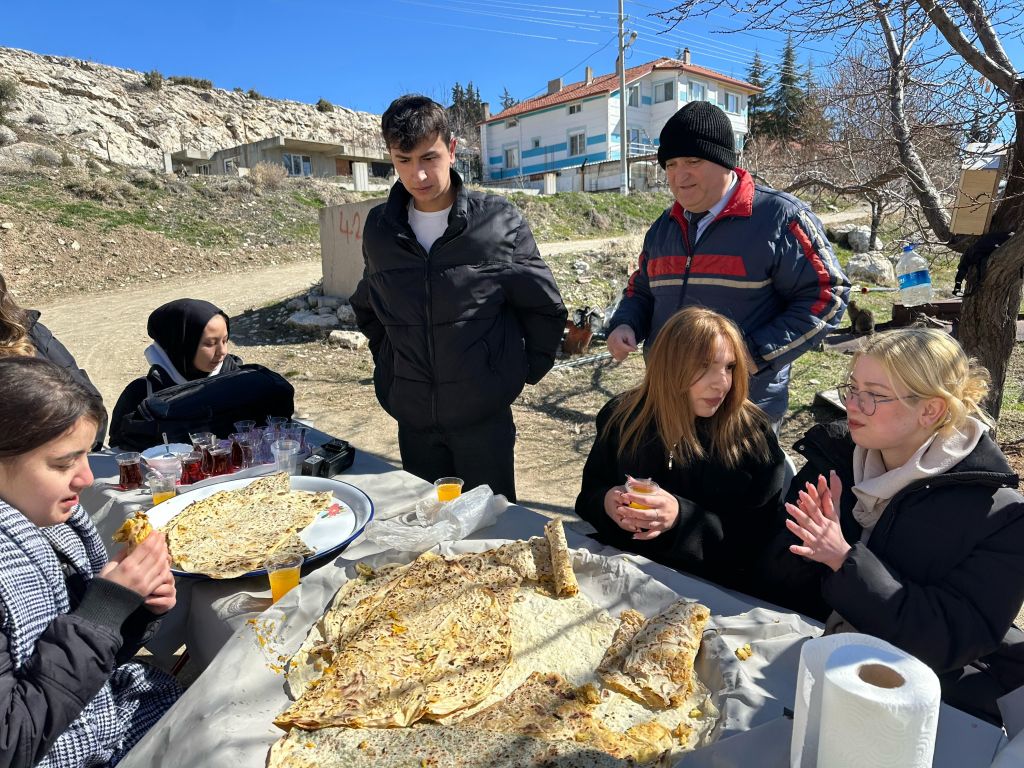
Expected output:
(32, 594)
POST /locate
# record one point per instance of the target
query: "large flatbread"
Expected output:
(232, 532)
(433, 643)
(437, 746)
(549, 707)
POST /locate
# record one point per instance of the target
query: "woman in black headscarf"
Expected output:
(190, 341)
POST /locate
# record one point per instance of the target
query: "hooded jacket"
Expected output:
(764, 262)
(942, 574)
(457, 332)
(49, 348)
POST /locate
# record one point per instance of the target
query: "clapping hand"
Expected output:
(815, 521)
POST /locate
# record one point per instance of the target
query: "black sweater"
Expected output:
(726, 515)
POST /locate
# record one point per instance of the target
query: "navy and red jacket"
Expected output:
(764, 262)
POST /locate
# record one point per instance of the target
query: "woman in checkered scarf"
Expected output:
(70, 619)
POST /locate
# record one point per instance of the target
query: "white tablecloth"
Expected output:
(240, 693)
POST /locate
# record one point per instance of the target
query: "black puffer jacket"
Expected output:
(727, 514)
(48, 348)
(942, 574)
(455, 333)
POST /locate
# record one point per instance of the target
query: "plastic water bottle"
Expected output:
(914, 278)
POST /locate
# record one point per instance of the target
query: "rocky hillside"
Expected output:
(108, 114)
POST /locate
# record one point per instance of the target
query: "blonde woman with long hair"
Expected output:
(690, 427)
(22, 335)
(905, 522)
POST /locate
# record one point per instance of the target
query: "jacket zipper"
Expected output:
(440, 242)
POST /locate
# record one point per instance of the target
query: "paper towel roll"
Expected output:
(878, 709)
(803, 750)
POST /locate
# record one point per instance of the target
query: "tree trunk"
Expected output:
(988, 320)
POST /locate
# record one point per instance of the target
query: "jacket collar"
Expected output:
(741, 202)
(396, 210)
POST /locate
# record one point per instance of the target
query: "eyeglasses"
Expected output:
(867, 402)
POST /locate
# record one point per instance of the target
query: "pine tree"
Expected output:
(787, 98)
(758, 116)
(814, 125)
(508, 100)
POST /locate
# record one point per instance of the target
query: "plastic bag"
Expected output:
(450, 521)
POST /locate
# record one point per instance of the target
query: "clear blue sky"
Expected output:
(363, 53)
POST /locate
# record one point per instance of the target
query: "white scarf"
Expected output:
(874, 485)
(155, 355)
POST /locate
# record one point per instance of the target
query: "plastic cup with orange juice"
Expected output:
(283, 572)
(642, 486)
(448, 488)
(162, 487)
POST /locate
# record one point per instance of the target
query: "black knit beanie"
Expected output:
(699, 129)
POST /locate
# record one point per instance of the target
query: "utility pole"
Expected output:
(623, 133)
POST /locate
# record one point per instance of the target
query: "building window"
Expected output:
(697, 91)
(231, 164)
(632, 136)
(739, 138)
(730, 102)
(577, 144)
(535, 143)
(633, 96)
(575, 109)
(298, 165)
(203, 170)
(511, 157)
(512, 123)
(664, 91)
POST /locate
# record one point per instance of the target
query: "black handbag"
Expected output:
(211, 404)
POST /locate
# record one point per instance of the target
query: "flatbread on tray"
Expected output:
(475, 660)
(231, 533)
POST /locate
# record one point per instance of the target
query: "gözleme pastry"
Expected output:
(232, 532)
(493, 659)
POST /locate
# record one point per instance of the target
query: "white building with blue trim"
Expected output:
(573, 130)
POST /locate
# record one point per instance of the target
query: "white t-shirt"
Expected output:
(428, 225)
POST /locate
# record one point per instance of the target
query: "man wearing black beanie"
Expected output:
(752, 253)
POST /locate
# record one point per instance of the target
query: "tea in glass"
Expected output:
(220, 460)
(192, 468)
(129, 468)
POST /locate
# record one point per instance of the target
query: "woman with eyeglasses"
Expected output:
(690, 427)
(905, 523)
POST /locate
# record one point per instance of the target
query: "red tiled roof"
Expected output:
(609, 83)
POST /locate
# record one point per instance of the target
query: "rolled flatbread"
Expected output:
(561, 560)
(134, 530)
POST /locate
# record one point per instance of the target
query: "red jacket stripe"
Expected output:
(703, 264)
(824, 280)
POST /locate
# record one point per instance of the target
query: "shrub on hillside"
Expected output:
(45, 157)
(254, 94)
(324, 106)
(100, 188)
(8, 95)
(36, 118)
(195, 82)
(143, 179)
(153, 80)
(268, 175)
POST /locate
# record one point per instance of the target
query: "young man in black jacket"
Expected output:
(460, 310)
